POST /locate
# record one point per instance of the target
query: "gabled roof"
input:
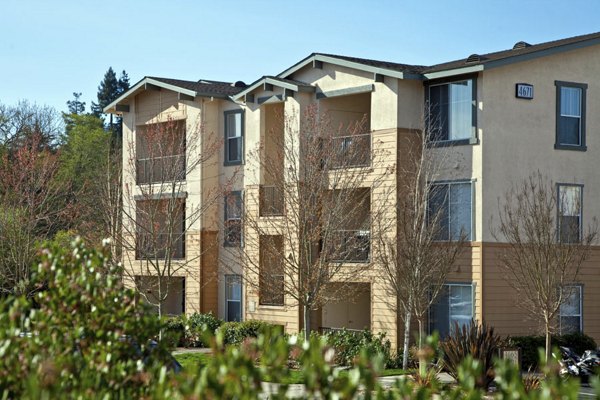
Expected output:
(202, 88)
(290, 84)
(521, 51)
(396, 70)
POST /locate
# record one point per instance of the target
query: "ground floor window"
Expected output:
(571, 310)
(233, 297)
(453, 305)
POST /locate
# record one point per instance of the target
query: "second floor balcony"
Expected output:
(160, 169)
(350, 246)
(159, 246)
(270, 201)
(351, 151)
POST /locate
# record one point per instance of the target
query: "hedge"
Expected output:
(529, 346)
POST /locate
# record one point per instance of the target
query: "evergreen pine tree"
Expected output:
(76, 106)
(109, 89)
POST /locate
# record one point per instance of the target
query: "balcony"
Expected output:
(351, 151)
(152, 246)
(351, 246)
(160, 169)
(270, 201)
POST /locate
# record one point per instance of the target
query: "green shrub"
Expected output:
(480, 342)
(348, 345)
(529, 346)
(174, 331)
(236, 332)
(197, 326)
(184, 331)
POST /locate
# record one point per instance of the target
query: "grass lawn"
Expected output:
(189, 360)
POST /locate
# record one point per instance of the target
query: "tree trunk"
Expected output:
(160, 308)
(306, 310)
(548, 340)
(406, 340)
(422, 360)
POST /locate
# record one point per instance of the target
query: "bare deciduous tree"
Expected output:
(110, 189)
(32, 205)
(546, 246)
(417, 259)
(308, 227)
(157, 218)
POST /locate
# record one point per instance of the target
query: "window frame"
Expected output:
(473, 137)
(238, 278)
(471, 236)
(579, 288)
(227, 219)
(226, 114)
(582, 119)
(559, 211)
(446, 289)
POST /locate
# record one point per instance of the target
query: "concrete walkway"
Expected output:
(185, 350)
(298, 390)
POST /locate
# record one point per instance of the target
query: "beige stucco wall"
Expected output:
(518, 136)
(204, 127)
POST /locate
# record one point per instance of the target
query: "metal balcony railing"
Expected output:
(271, 201)
(149, 246)
(271, 289)
(160, 169)
(351, 151)
(327, 329)
(351, 246)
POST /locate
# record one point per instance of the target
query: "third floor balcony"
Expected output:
(160, 169)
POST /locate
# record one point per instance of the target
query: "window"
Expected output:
(233, 297)
(570, 310)
(271, 277)
(233, 219)
(160, 228)
(450, 210)
(454, 305)
(452, 111)
(234, 137)
(569, 213)
(570, 115)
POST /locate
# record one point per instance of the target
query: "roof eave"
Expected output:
(271, 81)
(111, 108)
(454, 72)
(512, 59)
(542, 53)
(350, 64)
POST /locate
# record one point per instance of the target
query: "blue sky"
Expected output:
(50, 49)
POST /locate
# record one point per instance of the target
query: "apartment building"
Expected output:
(502, 116)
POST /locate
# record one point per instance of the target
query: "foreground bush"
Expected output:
(82, 333)
(478, 341)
